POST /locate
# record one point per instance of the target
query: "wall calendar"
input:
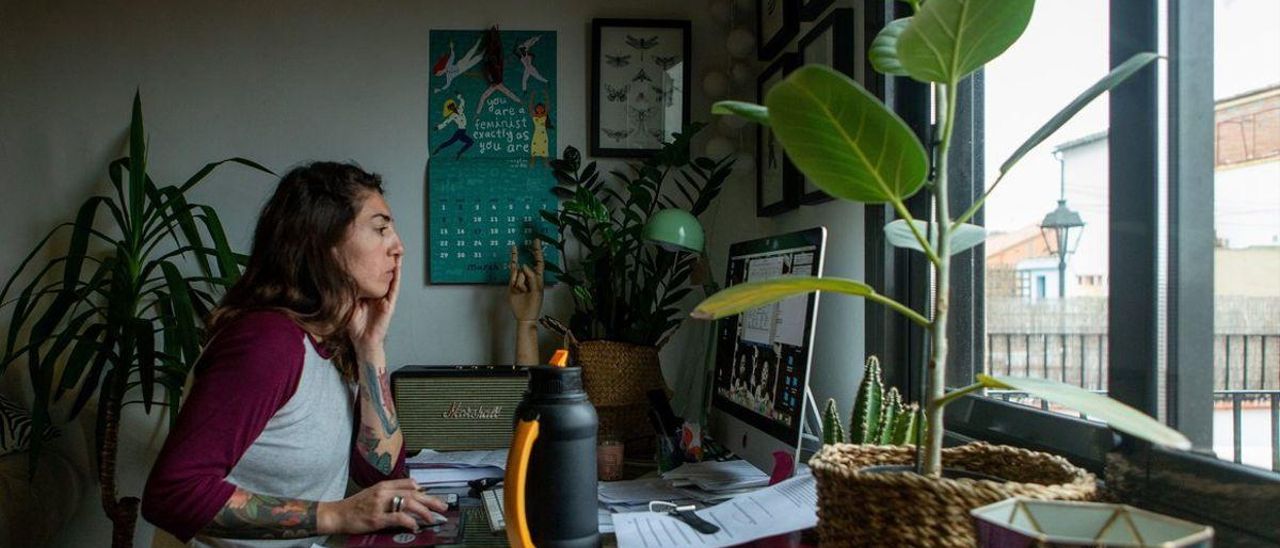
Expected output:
(492, 132)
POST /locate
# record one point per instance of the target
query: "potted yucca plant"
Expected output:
(855, 148)
(114, 315)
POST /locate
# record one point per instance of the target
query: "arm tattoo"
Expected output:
(367, 443)
(378, 390)
(248, 515)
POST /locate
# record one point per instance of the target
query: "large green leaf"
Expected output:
(70, 270)
(228, 268)
(1117, 415)
(844, 139)
(948, 39)
(1114, 78)
(884, 49)
(741, 297)
(961, 237)
(751, 111)
(86, 348)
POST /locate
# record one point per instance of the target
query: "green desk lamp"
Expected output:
(677, 230)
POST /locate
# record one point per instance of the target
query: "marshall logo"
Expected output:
(459, 411)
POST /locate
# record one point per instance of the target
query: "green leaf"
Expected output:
(146, 361)
(1114, 78)
(884, 49)
(137, 169)
(85, 349)
(208, 168)
(182, 308)
(228, 268)
(174, 209)
(750, 295)
(962, 237)
(948, 39)
(91, 380)
(751, 111)
(1117, 415)
(844, 139)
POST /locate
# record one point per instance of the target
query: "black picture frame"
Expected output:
(830, 42)
(615, 130)
(781, 20)
(811, 9)
(783, 194)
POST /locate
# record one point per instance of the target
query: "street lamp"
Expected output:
(1056, 228)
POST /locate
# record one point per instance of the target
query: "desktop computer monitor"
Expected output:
(762, 355)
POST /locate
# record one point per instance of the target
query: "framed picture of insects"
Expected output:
(639, 84)
(777, 22)
(778, 180)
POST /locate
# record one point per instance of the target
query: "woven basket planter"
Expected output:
(857, 507)
(617, 377)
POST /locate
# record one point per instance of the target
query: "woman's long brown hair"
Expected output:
(293, 267)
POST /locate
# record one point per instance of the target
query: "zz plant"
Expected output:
(113, 314)
(855, 148)
(624, 290)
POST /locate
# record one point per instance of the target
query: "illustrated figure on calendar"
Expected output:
(539, 143)
(453, 115)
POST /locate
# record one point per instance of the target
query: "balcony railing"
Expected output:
(1246, 390)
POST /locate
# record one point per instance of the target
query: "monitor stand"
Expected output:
(810, 441)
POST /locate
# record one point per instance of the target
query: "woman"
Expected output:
(273, 426)
(540, 117)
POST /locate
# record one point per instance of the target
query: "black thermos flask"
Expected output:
(550, 496)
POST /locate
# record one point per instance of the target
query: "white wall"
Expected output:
(286, 82)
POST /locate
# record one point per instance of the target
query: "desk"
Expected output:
(476, 525)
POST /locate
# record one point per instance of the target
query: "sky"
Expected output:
(1064, 51)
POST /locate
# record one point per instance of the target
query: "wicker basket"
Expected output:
(617, 376)
(863, 508)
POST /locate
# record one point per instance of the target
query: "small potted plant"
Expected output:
(855, 148)
(626, 293)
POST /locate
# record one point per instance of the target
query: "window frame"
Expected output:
(1157, 478)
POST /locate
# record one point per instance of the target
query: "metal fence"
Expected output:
(1246, 373)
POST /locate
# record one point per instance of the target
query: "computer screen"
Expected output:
(762, 355)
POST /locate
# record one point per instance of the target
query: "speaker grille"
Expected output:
(455, 412)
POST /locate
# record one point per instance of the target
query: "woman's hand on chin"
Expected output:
(372, 317)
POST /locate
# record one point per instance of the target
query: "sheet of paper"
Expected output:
(495, 457)
(782, 508)
(639, 491)
(452, 476)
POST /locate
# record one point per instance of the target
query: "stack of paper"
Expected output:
(718, 476)
(439, 469)
(782, 508)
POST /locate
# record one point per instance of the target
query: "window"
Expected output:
(1059, 329)
(1246, 224)
(1182, 139)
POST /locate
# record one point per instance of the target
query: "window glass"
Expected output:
(1246, 210)
(1046, 253)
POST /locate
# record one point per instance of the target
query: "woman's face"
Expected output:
(372, 249)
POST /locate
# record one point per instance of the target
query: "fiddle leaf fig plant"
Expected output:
(113, 315)
(853, 147)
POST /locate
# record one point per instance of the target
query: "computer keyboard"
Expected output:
(492, 499)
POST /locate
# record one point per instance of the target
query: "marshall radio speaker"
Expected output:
(449, 408)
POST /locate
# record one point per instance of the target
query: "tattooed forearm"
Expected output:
(367, 442)
(248, 515)
(378, 391)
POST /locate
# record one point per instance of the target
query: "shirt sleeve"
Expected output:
(365, 474)
(248, 372)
